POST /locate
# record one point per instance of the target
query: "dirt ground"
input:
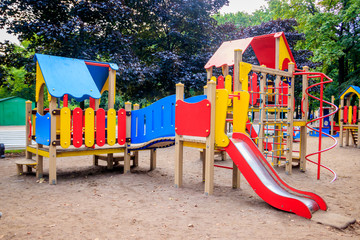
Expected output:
(90, 202)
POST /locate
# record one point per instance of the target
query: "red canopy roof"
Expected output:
(263, 46)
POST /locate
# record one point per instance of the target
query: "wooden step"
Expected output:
(29, 163)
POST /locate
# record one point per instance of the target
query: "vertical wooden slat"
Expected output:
(52, 147)
(341, 117)
(152, 159)
(210, 142)
(128, 136)
(304, 117)
(290, 125)
(40, 110)
(237, 60)
(178, 142)
(136, 157)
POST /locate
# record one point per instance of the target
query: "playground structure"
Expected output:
(349, 117)
(197, 122)
(271, 94)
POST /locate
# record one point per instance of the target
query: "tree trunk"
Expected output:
(341, 76)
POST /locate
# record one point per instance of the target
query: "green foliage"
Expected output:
(156, 43)
(332, 32)
(13, 73)
(243, 19)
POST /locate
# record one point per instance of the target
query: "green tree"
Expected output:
(332, 32)
(156, 43)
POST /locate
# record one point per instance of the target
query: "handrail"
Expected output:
(329, 80)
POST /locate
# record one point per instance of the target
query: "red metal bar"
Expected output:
(65, 100)
(219, 166)
(329, 80)
(320, 125)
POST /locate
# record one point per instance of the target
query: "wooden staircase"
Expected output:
(354, 135)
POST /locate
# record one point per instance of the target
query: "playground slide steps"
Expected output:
(266, 183)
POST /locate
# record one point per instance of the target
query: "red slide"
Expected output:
(265, 181)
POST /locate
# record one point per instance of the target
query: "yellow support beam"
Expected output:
(40, 152)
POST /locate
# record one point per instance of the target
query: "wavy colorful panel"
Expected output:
(154, 121)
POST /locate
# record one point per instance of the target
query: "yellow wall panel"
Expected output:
(65, 127)
(240, 111)
(89, 127)
(111, 126)
(221, 139)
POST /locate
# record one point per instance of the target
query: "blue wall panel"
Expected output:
(154, 121)
(43, 129)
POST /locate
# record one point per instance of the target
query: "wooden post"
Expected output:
(28, 115)
(110, 161)
(262, 113)
(112, 87)
(332, 117)
(209, 73)
(277, 138)
(237, 60)
(210, 142)
(358, 133)
(347, 133)
(341, 118)
(95, 159)
(52, 148)
(136, 153)
(128, 136)
(304, 117)
(179, 147)
(152, 159)
(290, 124)
(202, 158)
(40, 159)
(225, 70)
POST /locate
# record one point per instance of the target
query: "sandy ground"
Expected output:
(90, 202)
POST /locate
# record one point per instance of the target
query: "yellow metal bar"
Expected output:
(89, 152)
(111, 127)
(221, 139)
(65, 124)
(89, 127)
